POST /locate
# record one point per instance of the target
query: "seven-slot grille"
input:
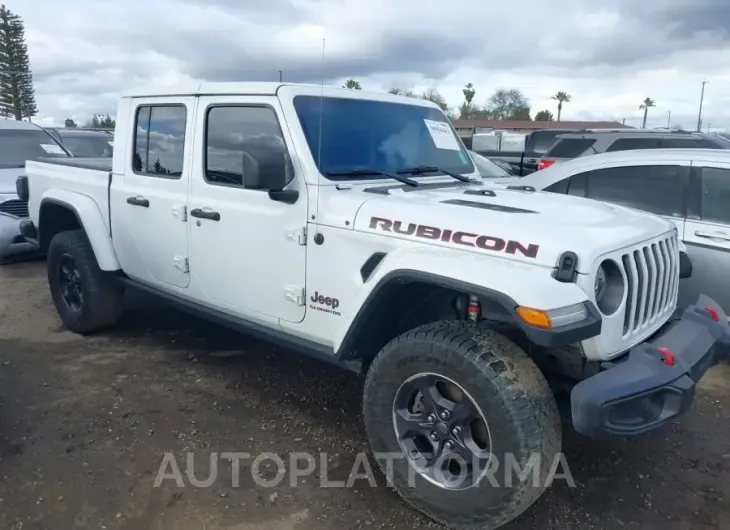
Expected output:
(15, 207)
(652, 274)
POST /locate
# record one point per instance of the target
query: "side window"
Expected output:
(578, 184)
(569, 147)
(159, 141)
(656, 189)
(628, 144)
(715, 202)
(685, 143)
(560, 186)
(236, 136)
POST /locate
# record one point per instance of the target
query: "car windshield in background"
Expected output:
(487, 168)
(19, 145)
(89, 145)
(366, 134)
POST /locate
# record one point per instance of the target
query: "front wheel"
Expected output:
(470, 419)
(86, 298)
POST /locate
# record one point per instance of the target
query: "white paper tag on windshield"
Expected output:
(52, 149)
(111, 143)
(442, 135)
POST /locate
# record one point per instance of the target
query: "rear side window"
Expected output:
(686, 143)
(629, 144)
(655, 189)
(159, 140)
(715, 202)
(542, 142)
(569, 147)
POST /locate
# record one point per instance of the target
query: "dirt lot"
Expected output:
(85, 422)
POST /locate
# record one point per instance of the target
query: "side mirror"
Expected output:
(265, 168)
(21, 188)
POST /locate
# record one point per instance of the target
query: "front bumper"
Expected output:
(656, 380)
(13, 244)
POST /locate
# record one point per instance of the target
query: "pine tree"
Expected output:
(17, 95)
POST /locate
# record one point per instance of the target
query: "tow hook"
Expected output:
(667, 356)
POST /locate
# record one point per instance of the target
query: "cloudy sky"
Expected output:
(608, 54)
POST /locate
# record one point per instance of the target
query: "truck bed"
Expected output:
(98, 164)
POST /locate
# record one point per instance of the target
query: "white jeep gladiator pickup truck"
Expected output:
(353, 226)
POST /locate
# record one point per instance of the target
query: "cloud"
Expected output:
(608, 54)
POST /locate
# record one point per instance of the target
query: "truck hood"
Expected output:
(530, 227)
(7, 179)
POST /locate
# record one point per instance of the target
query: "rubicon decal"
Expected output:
(328, 304)
(466, 239)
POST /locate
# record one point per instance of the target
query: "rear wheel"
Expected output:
(86, 298)
(472, 419)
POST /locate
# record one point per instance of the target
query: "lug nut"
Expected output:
(431, 418)
(456, 431)
(445, 415)
(434, 436)
(449, 445)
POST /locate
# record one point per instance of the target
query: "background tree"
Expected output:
(467, 107)
(100, 121)
(648, 103)
(351, 83)
(435, 96)
(561, 97)
(399, 92)
(69, 123)
(17, 95)
(544, 115)
(508, 105)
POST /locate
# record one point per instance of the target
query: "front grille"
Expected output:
(652, 274)
(15, 207)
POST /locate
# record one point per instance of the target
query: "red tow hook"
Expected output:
(714, 315)
(667, 355)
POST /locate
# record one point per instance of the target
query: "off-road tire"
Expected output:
(507, 386)
(103, 299)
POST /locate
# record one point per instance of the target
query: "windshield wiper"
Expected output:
(420, 170)
(361, 171)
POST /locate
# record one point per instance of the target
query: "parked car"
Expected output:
(450, 295)
(592, 142)
(19, 141)
(690, 187)
(525, 161)
(86, 143)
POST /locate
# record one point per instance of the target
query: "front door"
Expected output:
(148, 203)
(707, 236)
(247, 250)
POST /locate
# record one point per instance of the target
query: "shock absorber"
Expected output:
(474, 311)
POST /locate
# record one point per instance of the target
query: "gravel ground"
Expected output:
(86, 421)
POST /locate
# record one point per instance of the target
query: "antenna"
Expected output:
(319, 143)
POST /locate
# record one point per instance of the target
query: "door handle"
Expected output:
(202, 214)
(138, 201)
(713, 235)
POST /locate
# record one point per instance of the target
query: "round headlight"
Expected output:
(609, 287)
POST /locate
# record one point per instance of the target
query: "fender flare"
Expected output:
(548, 338)
(91, 220)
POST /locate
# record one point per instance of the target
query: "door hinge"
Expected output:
(295, 293)
(181, 212)
(182, 264)
(299, 235)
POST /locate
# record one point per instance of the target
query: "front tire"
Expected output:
(86, 298)
(461, 369)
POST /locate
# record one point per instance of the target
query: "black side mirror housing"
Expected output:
(21, 188)
(265, 168)
(685, 265)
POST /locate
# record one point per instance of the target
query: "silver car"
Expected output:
(19, 141)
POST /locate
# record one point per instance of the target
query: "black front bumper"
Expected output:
(656, 380)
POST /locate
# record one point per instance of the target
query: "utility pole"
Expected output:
(669, 118)
(281, 76)
(623, 121)
(702, 98)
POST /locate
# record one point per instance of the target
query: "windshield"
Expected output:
(19, 145)
(89, 145)
(486, 168)
(361, 133)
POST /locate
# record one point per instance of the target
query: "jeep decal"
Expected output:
(327, 304)
(467, 239)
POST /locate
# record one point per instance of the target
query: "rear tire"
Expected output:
(510, 394)
(87, 299)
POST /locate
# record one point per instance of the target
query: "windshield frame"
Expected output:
(466, 165)
(481, 159)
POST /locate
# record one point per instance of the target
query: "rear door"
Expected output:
(707, 234)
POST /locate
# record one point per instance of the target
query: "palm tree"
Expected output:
(561, 97)
(351, 83)
(648, 102)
